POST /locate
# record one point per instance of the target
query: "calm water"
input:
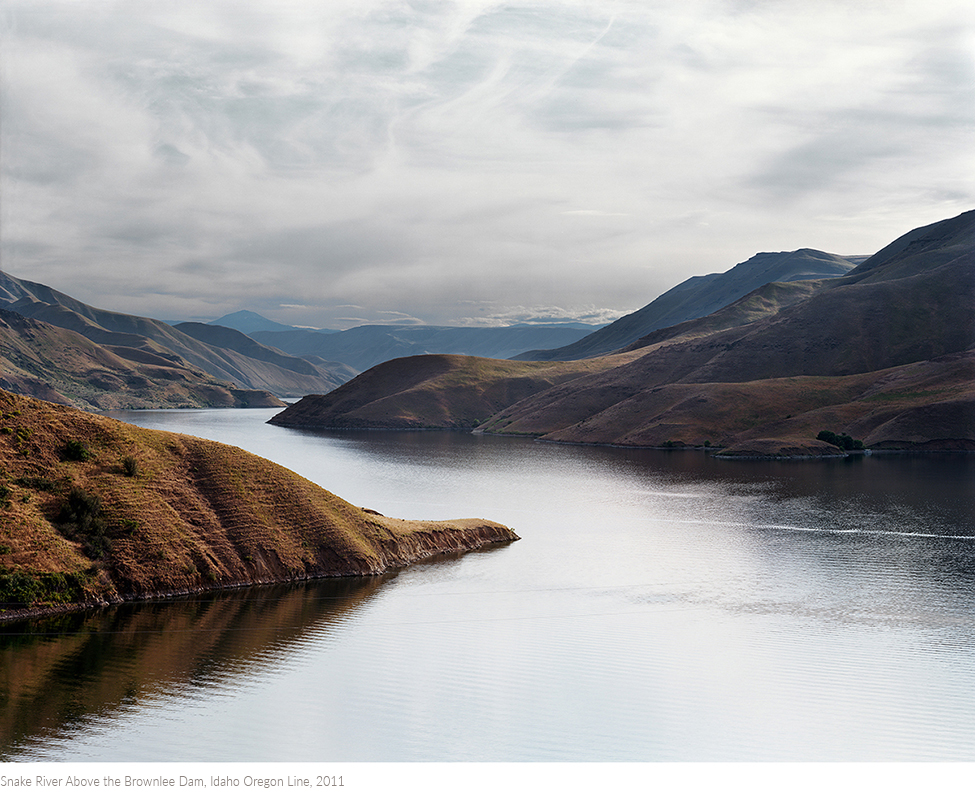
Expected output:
(660, 606)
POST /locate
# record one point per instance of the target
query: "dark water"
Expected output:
(660, 606)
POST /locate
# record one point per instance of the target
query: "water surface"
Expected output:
(660, 606)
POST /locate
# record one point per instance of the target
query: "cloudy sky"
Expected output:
(336, 162)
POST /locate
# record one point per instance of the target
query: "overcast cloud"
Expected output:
(332, 163)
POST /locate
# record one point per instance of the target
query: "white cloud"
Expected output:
(188, 159)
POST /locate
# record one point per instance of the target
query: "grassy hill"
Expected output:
(94, 511)
(62, 366)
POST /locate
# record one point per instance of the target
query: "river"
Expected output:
(660, 606)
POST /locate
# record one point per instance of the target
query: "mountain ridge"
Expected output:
(252, 366)
(700, 296)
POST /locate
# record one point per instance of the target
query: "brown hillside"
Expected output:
(95, 510)
(434, 391)
(63, 366)
(926, 405)
(778, 365)
(240, 361)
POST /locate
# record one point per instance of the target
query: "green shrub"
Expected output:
(75, 451)
(130, 466)
(81, 516)
(25, 587)
(841, 440)
(36, 482)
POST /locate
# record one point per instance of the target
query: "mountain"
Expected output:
(249, 322)
(248, 365)
(62, 366)
(332, 372)
(700, 296)
(99, 511)
(367, 345)
(884, 353)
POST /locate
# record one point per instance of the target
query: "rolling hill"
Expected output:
(62, 366)
(368, 345)
(883, 353)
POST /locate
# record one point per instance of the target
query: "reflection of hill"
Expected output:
(59, 672)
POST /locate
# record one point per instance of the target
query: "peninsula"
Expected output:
(96, 511)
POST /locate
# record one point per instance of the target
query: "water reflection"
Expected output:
(660, 606)
(58, 674)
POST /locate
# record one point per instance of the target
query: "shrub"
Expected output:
(130, 466)
(36, 482)
(81, 514)
(75, 451)
(20, 587)
(841, 440)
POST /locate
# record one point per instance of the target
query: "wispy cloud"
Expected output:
(187, 159)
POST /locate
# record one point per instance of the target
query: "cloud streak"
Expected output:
(188, 160)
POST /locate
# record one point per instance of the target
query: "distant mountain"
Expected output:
(248, 366)
(885, 353)
(367, 345)
(334, 372)
(249, 322)
(700, 296)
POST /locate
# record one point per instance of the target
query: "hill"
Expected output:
(98, 511)
(248, 365)
(435, 391)
(910, 307)
(700, 296)
(883, 353)
(62, 366)
(368, 345)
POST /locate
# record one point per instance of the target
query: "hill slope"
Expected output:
(62, 366)
(436, 391)
(700, 296)
(911, 304)
(253, 367)
(95, 510)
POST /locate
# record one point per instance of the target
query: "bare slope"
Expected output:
(700, 296)
(254, 367)
(912, 304)
(435, 391)
(95, 510)
(62, 366)
(771, 367)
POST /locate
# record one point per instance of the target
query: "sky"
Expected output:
(345, 162)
